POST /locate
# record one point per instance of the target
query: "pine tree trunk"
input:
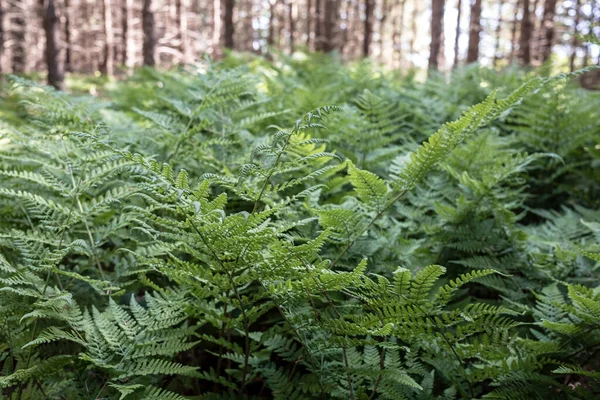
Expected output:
(228, 22)
(474, 32)
(526, 34)
(331, 14)
(574, 39)
(498, 33)
(126, 40)
(55, 72)
(109, 57)
(318, 40)
(398, 23)
(217, 28)
(368, 27)
(437, 31)
(1, 38)
(309, 13)
(68, 57)
(382, 24)
(547, 34)
(18, 52)
(457, 33)
(181, 7)
(149, 46)
(293, 16)
(513, 33)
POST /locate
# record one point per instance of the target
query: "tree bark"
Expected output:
(126, 40)
(55, 71)
(1, 38)
(228, 22)
(413, 28)
(437, 32)
(498, 33)
(271, 35)
(398, 23)
(109, 56)
(574, 39)
(217, 28)
(526, 34)
(457, 33)
(149, 45)
(293, 16)
(331, 14)
(318, 40)
(18, 53)
(474, 32)
(547, 34)
(368, 27)
(309, 12)
(68, 44)
(513, 33)
(181, 7)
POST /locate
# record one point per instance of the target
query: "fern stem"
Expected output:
(239, 298)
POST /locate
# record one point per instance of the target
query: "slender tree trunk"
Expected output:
(368, 27)
(109, 57)
(574, 39)
(474, 32)
(228, 23)
(498, 33)
(547, 34)
(217, 28)
(55, 71)
(398, 23)
(272, 17)
(437, 30)
(457, 33)
(126, 39)
(68, 44)
(385, 11)
(318, 40)
(1, 38)
(18, 53)
(526, 34)
(181, 7)
(309, 13)
(149, 46)
(331, 15)
(513, 33)
(413, 28)
(293, 16)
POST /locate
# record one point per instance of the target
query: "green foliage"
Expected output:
(226, 233)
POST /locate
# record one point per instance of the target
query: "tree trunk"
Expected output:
(398, 23)
(331, 15)
(109, 57)
(413, 28)
(1, 38)
(513, 33)
(126, 40)
(385, 11)
(457, 34)
(217, 28)
(498, 33)
(574, 39)
(55, 72)
(181, 7)
(18, 53)
(68, 57)
(228, 22)
(474, 32)
(318, 40)
(526, 34)
(149, 46)
(437, 31)
(547, 34)
(272, 17)
(368, 28)
(293, 16)
(309, 12)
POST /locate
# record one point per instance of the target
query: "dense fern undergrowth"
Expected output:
(301, 230)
